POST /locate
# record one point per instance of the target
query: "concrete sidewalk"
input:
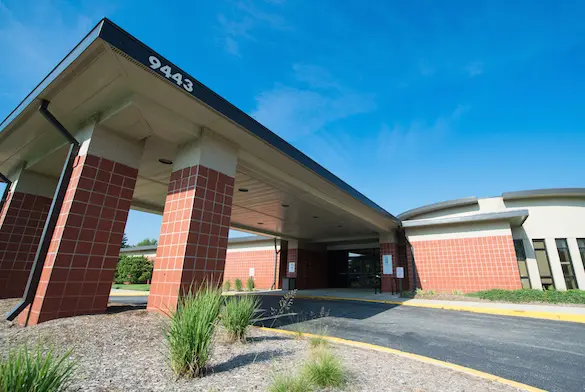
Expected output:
(548, 312)
(128, 293)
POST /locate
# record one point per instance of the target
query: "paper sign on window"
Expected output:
(387, 264)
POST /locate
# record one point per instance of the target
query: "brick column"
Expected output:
(80, 264)
(388, 281)
(194, 233)
(21, 224)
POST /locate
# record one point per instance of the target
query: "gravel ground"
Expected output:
(125, 352)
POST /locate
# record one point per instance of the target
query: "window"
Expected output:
(521, 257)
(566, 263)
(581, 243)
(543, 264)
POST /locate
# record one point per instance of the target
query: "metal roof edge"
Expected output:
(443, 205)
(490, 216)
(535, 193)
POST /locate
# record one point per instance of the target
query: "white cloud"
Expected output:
(241, 26)
(340, 151)
(416, 134)
(474, 69)
(294, 112)
(315, 76)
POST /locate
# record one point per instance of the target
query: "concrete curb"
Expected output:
(574, 318)
(417, 357)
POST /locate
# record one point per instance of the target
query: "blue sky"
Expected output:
(410, 102)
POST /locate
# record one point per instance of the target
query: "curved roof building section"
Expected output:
(550, 192)
(443, 205)
(138, 52)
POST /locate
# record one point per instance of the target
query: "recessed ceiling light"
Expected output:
(165, 161)
(285, 205)
(243, 189)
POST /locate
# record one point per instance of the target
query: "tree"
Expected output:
(147, 241)
(125, 241)
(133, 269)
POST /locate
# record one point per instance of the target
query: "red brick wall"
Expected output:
(238, 264)
(21, 225)
(312, 269)
(467, 264)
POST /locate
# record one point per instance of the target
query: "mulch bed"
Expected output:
(125, 351)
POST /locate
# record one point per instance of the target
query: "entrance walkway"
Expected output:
(547, 312)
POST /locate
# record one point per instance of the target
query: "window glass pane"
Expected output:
(538, 244)
(571, 283)
(564, 256)
(526, 283)
(523, 269)
(542, 261)
(581, 243)
(519, 248)
(567, 270)
(566, 263)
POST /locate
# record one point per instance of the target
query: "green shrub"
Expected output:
(227, 285)
(22, 371)
(238, 284)
(236, 315)
(250, 284)
(189, 334)
(133, 269)
(530, 295)
(325, 370)
(457, 292)
(317, 341)
(289, 383)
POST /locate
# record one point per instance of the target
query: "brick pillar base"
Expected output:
(80, 265)
(194, 235)
(21, 225)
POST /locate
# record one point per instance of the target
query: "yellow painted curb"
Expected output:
(575, 318)
(134, 294)
(417, 357)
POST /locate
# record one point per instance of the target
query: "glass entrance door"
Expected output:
(354, 268)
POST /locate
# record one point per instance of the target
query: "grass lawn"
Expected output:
(137, 287)
(527, 295)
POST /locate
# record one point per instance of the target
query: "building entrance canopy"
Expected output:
(148, 109)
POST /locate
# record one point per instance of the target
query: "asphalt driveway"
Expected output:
(545, 354)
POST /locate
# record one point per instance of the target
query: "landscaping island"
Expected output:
(125, 350)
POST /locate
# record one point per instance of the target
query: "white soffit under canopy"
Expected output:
(109, 78)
